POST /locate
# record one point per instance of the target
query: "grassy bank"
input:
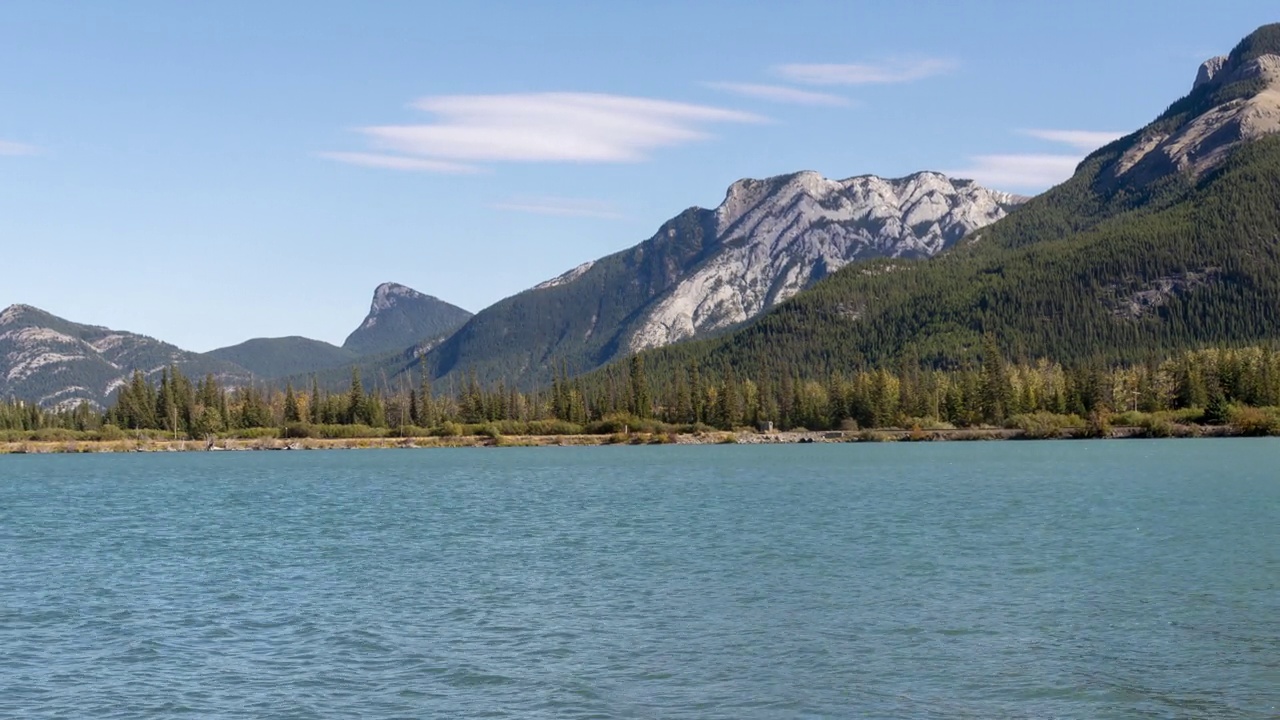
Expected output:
(1034, 429)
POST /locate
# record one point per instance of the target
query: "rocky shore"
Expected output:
(707, 438)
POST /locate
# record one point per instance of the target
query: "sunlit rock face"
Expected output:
(780, 235)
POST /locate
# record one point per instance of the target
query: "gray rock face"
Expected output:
(704, 270)
(1208, 70)
(1204, 142)
(780, 235)
(59, 364)
(399, 317)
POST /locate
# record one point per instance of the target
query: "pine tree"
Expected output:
(314, 402)
(696, 395)
(415, 414)
(138, 404)
(291, 412)
(166, 405)
(641, 403)
(1216, 410)
(996, 391)
(355, 400)
(1191, 390)
(427, 413)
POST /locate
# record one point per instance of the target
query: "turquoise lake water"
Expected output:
(1110, 579)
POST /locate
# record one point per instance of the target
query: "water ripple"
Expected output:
(1091, 580)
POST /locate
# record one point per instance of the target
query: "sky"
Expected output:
(205, 173)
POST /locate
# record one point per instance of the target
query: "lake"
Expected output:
(1082, 579)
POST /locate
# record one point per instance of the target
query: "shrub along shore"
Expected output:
(624, 430)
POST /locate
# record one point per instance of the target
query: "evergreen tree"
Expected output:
(996, 391)
(1216, 410)
(355, 411)
(291, 412)
(415, 413)
(315, 403)
(641, 402)
(427, 412)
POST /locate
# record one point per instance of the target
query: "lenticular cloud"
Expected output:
(536, 127)
(898, 71)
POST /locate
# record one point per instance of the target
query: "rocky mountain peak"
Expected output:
(399, 317)
(58, 363)
(779, 235)
(1235, 100)
(1263, 41)
(12, 313)
(1257, 56)
(1208, 70)
(385, 297)
(705, 270)
(19, 313)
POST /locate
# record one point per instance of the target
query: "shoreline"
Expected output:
(33, 447)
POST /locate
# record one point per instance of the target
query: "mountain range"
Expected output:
(399, 317)
(57, 363)
(702, 272)
(1166, 238)
(705, 271)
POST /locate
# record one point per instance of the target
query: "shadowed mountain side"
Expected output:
(279, 357)
(399, 317)
(706, 271)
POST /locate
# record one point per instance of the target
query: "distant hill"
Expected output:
(59, 363)
(400, 317)
(55, 362)
(280, 357)
(1166, 239)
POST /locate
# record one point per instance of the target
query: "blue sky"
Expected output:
(206, 173)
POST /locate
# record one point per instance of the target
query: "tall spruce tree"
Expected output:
(996, 390)
(641, 404)
(355, 400)
(291, 411)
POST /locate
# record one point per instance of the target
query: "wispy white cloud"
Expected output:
(1036, 171)
(1083, 140)
(1018, 171)
(399, 162)
(16, 148)
(560, 206)
(893, 71)
(779, 93)
(538, 127)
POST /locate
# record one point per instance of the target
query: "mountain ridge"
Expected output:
(1110, 266)
(283, 356)
(400, 316)
(59, 363)
(916, 215)
(766, 240)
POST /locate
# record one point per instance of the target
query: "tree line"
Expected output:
(992, 391)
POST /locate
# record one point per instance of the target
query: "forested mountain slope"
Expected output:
(707, 270)
(399, 317)
(1168, 238)
(280, 357)
(401, 323)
